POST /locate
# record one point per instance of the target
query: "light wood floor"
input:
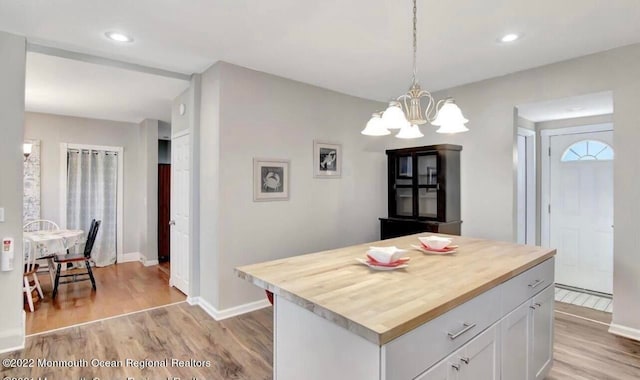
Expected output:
(122, 288)
(241, 347)
(584, 350)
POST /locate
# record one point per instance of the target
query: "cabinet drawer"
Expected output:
(412, 353)
(527, 284)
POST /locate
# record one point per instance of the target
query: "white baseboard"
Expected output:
(624, 331)
(192, 300)
(129, 257)
(148, 263)
(219, 315)
(14, 340)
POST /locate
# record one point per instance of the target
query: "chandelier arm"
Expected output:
(406, 106)
(430, 112)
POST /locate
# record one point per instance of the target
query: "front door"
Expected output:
(581, 209)
(180, 191)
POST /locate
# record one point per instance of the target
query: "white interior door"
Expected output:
(581, 209)
(180, 189)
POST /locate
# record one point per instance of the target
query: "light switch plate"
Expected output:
(1, 214)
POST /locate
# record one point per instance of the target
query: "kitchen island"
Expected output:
(483, 312)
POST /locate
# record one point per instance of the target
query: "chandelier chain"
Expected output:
(415, 39)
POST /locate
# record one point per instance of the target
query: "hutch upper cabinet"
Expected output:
(424, 191)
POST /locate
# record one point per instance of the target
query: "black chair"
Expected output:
(85, 256)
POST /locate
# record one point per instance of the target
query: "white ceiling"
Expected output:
(600, 103)
(67, 87)
(359, 47)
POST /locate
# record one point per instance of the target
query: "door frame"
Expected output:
(530, 191)
(545, 162)
(120, 256)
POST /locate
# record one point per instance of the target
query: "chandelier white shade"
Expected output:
(406, 112)
(409, 131)
(375, 127)
(450, 119)
(393, 117)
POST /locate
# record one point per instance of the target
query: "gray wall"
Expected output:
(12, 77)
(179, 122)
(209, 186)
(148, 166)
(573, 122)
(282, 121)
(488, 180)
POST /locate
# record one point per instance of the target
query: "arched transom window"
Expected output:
(588, 150)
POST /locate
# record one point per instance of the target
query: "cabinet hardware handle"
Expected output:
(537, 304)
(456, 367)
(536, 284)
(532, 307)
(465, 360)
(466, 328)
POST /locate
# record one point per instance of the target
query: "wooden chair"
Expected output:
(30, 268)
(73, 258)
(44, 225)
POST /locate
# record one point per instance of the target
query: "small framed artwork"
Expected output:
(270, 179)
(327, 159)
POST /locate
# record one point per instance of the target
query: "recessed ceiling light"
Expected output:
(509, 37)
(118, 37)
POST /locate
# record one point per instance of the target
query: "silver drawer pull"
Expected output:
(456, 366)
(464, 360)
(466, 328)
(536, 284)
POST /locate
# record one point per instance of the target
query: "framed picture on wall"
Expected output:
(327, 159)
(270, 180)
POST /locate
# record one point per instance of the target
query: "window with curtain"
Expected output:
(92, 188)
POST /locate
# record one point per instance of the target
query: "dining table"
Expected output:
(52, 242)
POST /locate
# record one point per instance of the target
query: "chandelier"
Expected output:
(405, 113)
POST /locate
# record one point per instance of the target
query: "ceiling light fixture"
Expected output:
(405, 113)
(118, 37)
(509, 37)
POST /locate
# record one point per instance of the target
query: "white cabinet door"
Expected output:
(476, 360)
(542, 334)
(444, 370)
(481, 356)
(515, 343)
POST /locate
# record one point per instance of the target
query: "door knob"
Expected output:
(172, 222)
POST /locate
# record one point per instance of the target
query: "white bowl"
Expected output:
(435, 242)
(386, 255)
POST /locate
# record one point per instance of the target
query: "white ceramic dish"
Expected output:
(435, 242)
(386, 254)
(431, 252)
(378, 267)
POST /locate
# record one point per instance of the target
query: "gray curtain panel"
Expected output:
(92, 188)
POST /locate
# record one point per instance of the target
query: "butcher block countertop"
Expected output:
(382, 305)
